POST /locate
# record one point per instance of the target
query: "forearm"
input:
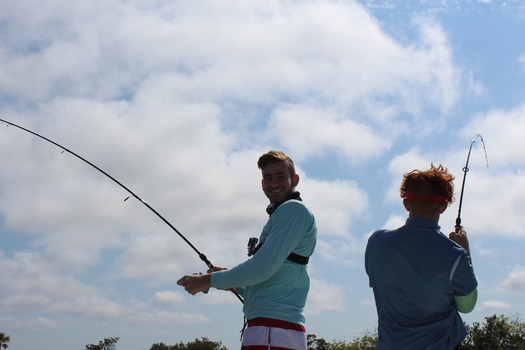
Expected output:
(466, 304)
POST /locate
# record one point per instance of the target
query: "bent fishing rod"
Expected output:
(465, 171)
(132, 194)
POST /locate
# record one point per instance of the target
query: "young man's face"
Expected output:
(277, 183)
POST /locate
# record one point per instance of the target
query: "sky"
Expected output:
(178, 99)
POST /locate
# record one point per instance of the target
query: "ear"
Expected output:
(406, 204)
(443, 208)
(295, 180)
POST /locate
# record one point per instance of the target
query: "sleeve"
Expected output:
(287, 227)
(369, 258)
(465, 304)
(462, 277)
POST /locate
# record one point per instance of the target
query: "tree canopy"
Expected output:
(4, 340)
(106, 344)
(198, 344)
(497, 332)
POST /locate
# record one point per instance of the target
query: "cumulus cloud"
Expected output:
(515, 280)
(325, 296)
(502, 182)
(308, 132)
(177, 101)
(495, 305)
(167, 318)
(167, 297)
(35, 324)
(35, 283)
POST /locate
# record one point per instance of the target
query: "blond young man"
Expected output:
(274, 281)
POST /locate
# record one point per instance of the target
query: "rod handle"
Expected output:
(457, 228)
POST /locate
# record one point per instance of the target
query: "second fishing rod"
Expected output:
(465, 171)
(132, 194)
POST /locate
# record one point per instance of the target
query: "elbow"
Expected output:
(467, 303)
(466, 310)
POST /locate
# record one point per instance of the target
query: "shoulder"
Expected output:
(293, 215)
(381, 234)
(377, 237)
(294, 207)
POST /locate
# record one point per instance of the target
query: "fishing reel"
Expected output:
(252, 245)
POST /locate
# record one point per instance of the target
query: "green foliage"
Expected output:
(198, 344)
(314, 343)
(4, 340)
(368, 341)
(497, 333)
(106, 344)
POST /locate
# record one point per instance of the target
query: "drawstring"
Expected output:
(244, 327)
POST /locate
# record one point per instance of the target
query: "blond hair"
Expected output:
(274, 157)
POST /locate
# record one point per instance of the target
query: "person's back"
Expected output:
(414, 272)
(421, 278)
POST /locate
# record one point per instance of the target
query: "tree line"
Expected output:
(497, 332)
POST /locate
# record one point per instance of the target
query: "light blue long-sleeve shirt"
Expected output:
(272, 286)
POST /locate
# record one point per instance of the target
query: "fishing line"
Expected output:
(132, 194)
(465, 171)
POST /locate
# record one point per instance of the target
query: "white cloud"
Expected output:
(36, 324)
(336, 204)
(308, 132)
(502, 182)
(167, 318)
(395, 221)
(177, 100)
(325, 296)
(167, 297)
(515, 281)
(35, 283)
(402, 164)
(495, 305)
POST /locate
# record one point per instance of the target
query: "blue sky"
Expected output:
(178, 99)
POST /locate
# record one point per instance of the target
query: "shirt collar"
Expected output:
(423, 222)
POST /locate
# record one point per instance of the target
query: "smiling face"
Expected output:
(277, 182)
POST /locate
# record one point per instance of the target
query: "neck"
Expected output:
(273, 206)
(433, 217)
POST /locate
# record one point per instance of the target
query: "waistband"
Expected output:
(272, 322)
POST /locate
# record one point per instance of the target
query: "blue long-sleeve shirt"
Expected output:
(415, 272)
(272, 286)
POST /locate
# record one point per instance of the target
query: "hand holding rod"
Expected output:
(201, 255)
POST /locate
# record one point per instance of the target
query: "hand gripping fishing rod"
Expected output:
(201, 255)
(465, 171)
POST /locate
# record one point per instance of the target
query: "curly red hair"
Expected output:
(436, 181)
